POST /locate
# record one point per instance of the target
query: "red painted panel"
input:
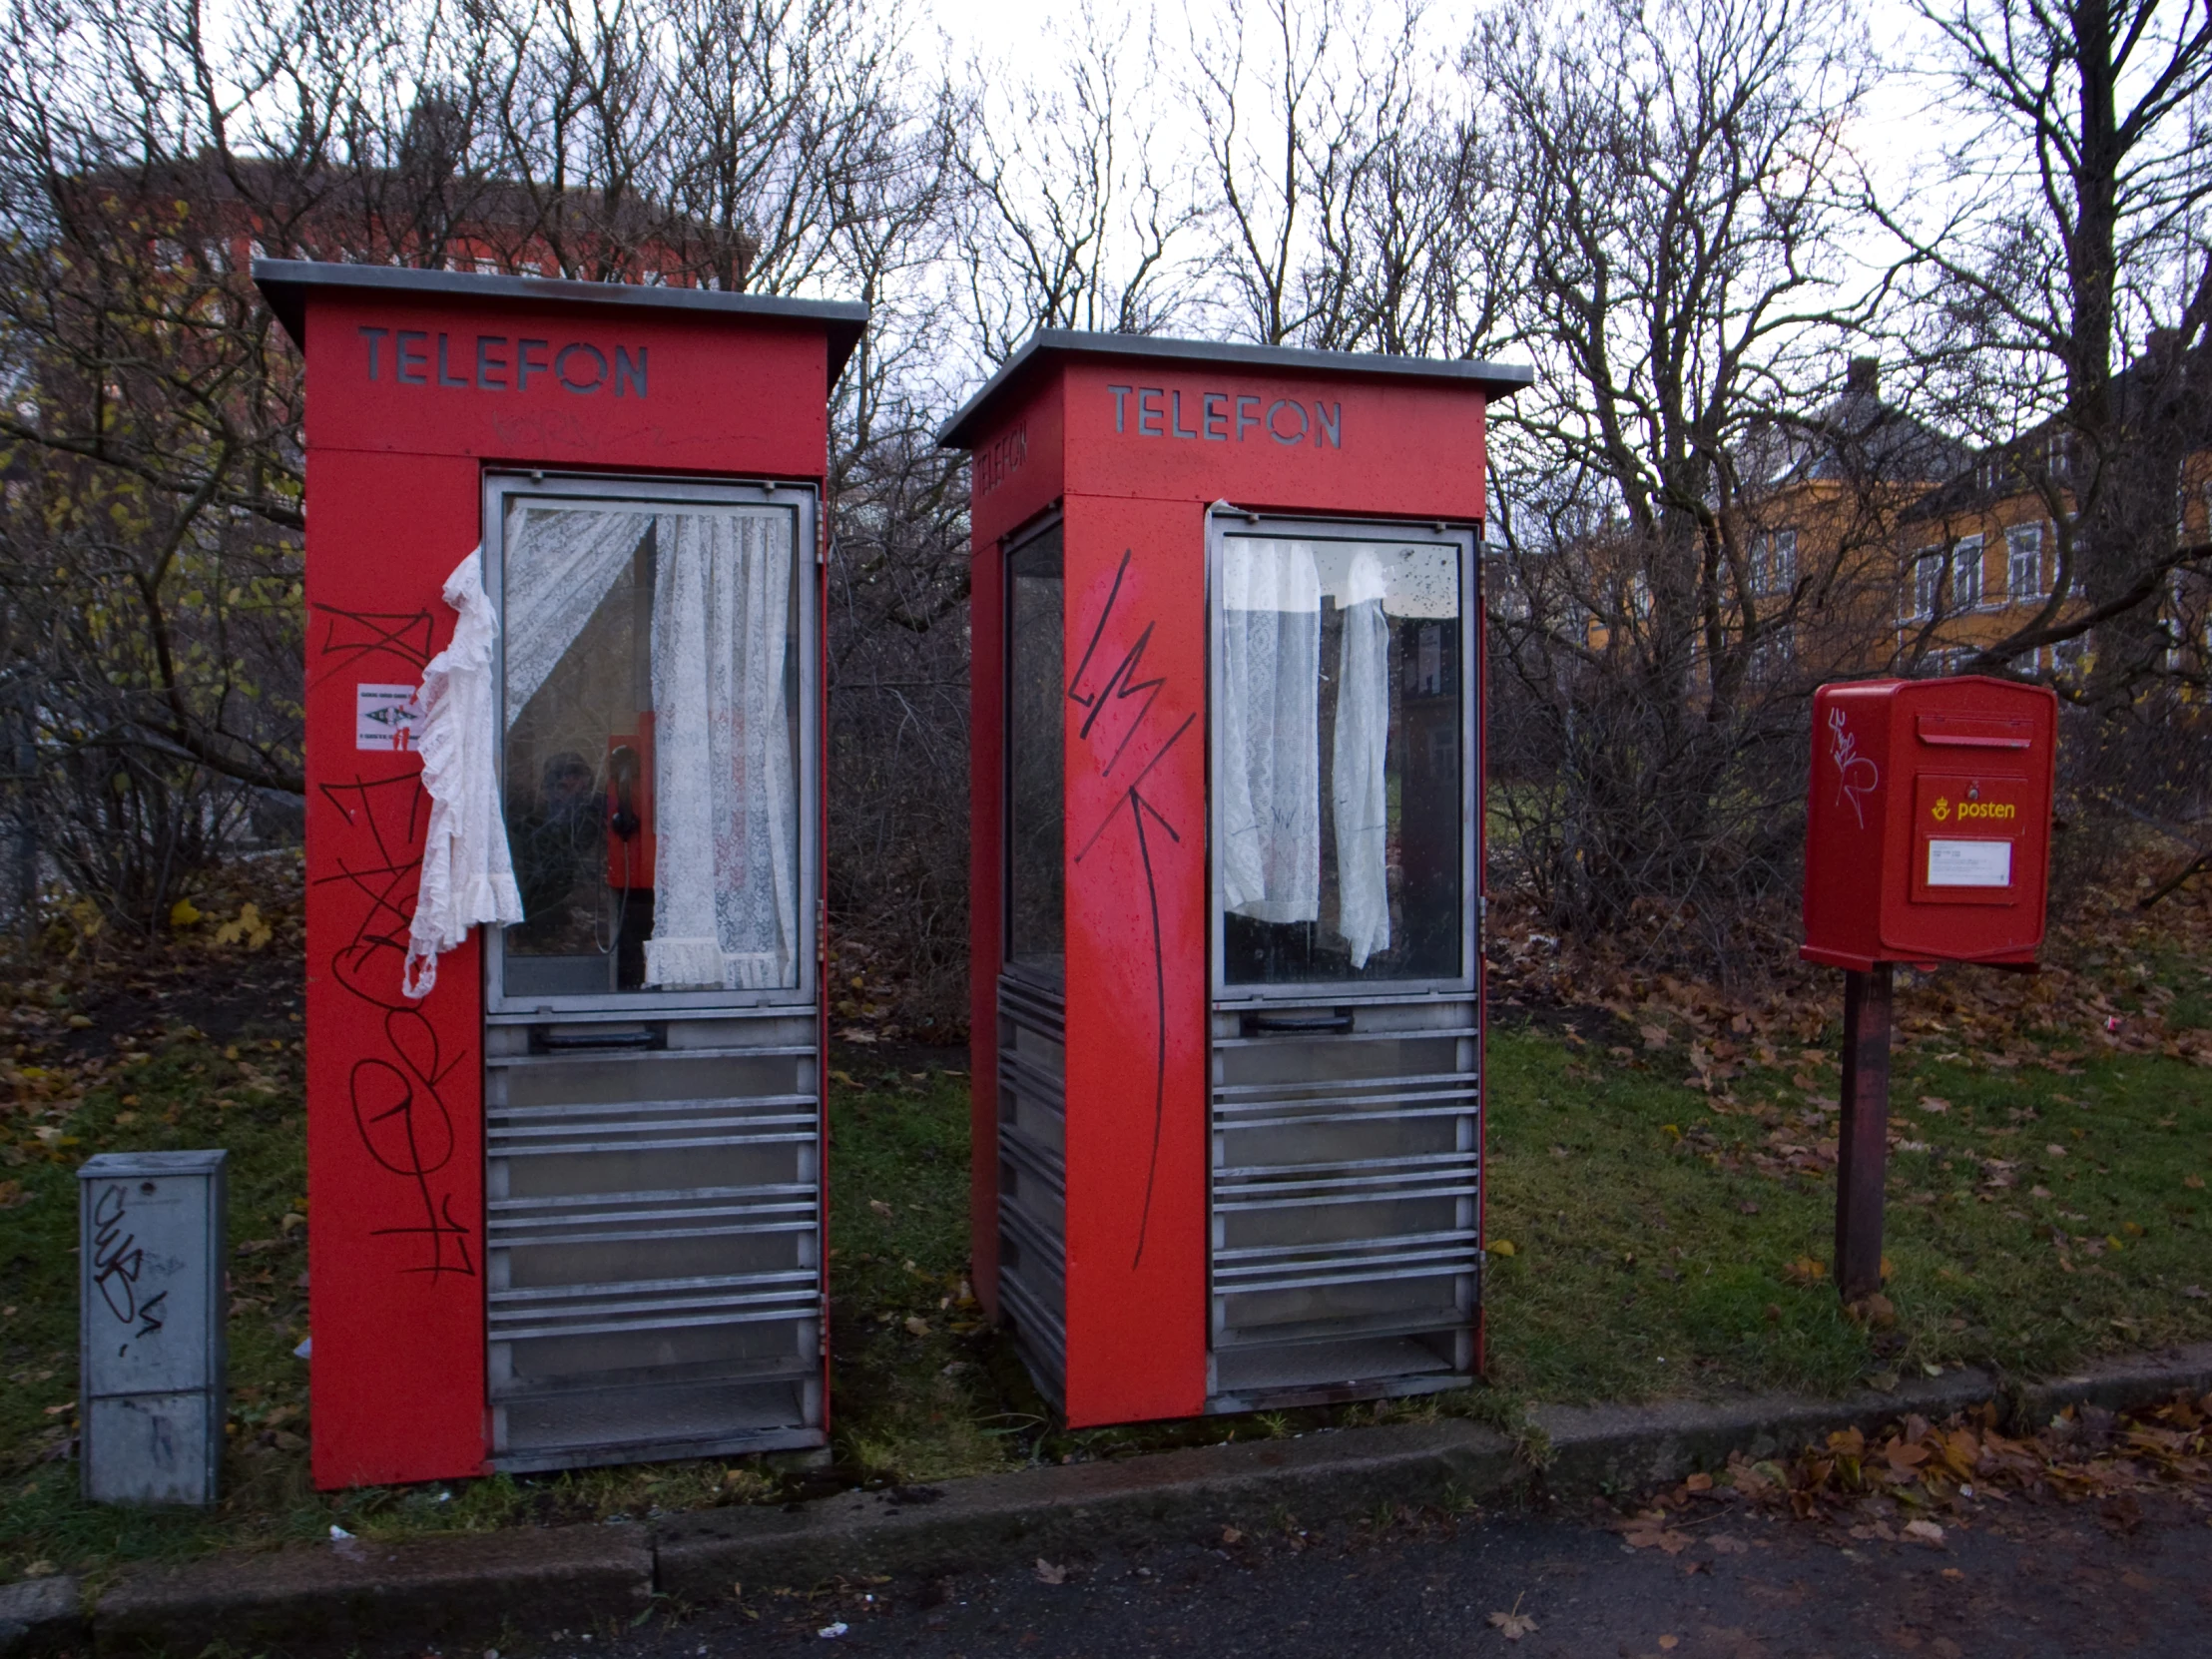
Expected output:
(986, 920)
(395, 1088)
(1292, 443)
(695, 395)
(1136, 959)
(1017, 471)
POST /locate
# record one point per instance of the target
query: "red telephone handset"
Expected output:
(630, 807)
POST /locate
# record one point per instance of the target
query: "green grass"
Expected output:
(1652, 1256)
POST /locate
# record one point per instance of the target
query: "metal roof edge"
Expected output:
(1499, 379)
(284, 283)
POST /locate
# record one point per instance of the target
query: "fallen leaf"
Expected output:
(1654, 1037)
(1651, 1537)
(878, 1206)
(1048, 1573)
(1700, 1482)
(1926, 1531)
(1500, 1247)
(1669, 1643)
(1876, 1312)
(1230, 1535)
(2195, 1183)
(1805, 1271)
(1513, 1625)
(1934, 1103)
(1724, 1544)
(916, 1326)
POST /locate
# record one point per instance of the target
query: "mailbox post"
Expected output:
(1226, 839)
(568, 1200)
(1928, 840)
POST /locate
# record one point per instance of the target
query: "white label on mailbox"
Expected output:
(384, 717)
(1969, 863)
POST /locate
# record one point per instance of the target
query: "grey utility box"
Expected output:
(153, 1236)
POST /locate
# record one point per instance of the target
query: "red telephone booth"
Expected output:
(567, 1203)
(1227, 830)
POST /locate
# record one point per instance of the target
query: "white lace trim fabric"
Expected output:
(467, 872)
(1361, 799)
(726, 870)
(1271, 730)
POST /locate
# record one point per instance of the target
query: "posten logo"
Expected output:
(1995, 810)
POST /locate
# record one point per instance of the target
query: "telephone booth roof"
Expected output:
(1049, 347)
(286, 285)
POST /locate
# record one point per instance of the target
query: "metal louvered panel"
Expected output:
(1344, 1190)
(1032, 1174)
(654, 1240)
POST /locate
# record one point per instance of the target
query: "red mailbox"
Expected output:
(1928, 824)
(1227, 841)
(567, 1203)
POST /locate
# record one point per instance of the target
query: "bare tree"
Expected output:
(1070, 220)
(2072, 239)
(1679, 243)
(151, 535)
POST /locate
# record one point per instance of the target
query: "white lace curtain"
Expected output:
(1271, 730)
(1271, 690)
(561, 561)
(1358, 792)
(724, 889)
(723, 794)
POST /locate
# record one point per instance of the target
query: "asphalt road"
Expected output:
(2021, 1579)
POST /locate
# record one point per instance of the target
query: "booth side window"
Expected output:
(1338, 765)
(651, 707)
(1036, 604)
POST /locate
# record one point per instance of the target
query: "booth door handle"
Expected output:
(1293, 1024)
(606, 1039)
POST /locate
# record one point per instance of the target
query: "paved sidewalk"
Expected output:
(495, 1588)
(2025, 1582)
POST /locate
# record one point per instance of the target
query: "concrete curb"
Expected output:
(353, 1594)
(42, 1615)
(1083, 1507)
(588, 1578)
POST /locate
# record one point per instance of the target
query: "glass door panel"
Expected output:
(1341, 742)
(650, 688)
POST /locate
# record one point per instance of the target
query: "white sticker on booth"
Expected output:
(385, 717)
(1969, 863)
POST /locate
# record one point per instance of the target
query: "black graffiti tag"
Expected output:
(1122, 685)
(118, 1261)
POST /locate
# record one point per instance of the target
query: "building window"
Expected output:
(1927, 580)
(1780, 561)
(2023, 562)
(1966, 574)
